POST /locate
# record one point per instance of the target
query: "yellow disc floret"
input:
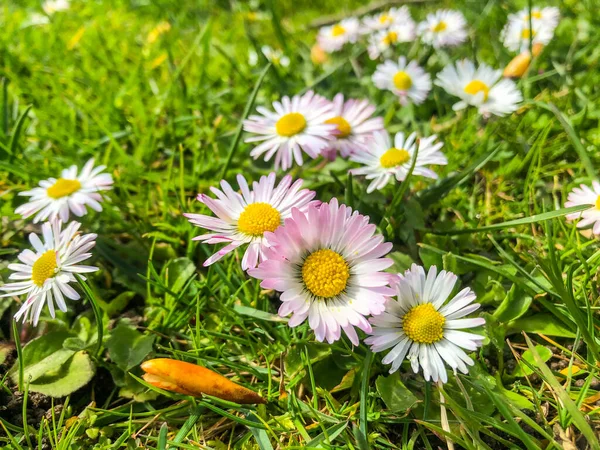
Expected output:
(344, 128)
(258, 218)
(290, 124)
(527, 33)
(477, 86)
(394, 157)
(337, 30)
(423, 324)
(63, 187)
(598, 202)
(440, 26)
(402, 81)
(390, 38)
(43, 268)
(325, 273)
(385, 19)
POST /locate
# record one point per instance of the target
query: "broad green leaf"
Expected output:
(515, 304)
(523, 369)
(179, 271)
(73, 375)
(402, 262)
(127, 347)
(542, 323)
(395, 395)
(74, 343)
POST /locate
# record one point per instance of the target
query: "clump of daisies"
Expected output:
(586, 195)
(275, 56)
(388, 29)
(355, 126)
(384, 161)
(328, 266)
(443, 28)
(72, 192)
(297, 125)
(523, 29)
(406, 79)
(333, 38)
(482, 87)
(420, 324)
(243, 219)
(386, 20)
(45, 273)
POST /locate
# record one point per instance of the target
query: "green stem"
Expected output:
(97, 312)
(17, 338)
(364, 409)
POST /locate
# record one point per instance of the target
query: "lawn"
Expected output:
(313, 302)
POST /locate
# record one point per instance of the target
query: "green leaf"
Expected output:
(261, 436)
(258, 314)
(395, 395)
(73, 375)
(178, 272)
(402, 262)
(523, 369)
(74, 343)
(127, 347)
(542, 323)
(515, 304)
(328, 437)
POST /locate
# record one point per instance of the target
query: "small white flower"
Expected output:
(387, 19)
(296, 126)
(52, 6)
(517, 35)
(275, 56)
(405, 79)
(585, 195)
(443, 28)
(45, 273)
(383, 40)
(547, 16)
(421, 326)
(333, 38)
(482, 87)
(70, 193)
(355, 125)
(383, 161)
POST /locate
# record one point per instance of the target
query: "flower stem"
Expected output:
(97, 313)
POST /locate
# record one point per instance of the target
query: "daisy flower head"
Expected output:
(586, 195)
(517, 35)
(328, 265)
(243, 219)
(52, 6)
(387, 19)
(381, 41)
(355, 124)
(443, 28)
(44, 274)
(275, 56)
(69, 193)
(421, 324)
(296, 125)
(333, 38)
(548, 16)
(482, 87)
(406, 79)
(383, 161)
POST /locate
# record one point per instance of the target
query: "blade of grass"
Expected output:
(97, 313)
(364, 409)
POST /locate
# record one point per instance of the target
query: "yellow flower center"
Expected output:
(325, 273)
(344, 128)
(477, 86)
(390, 38)
(440, 26)
(43, 268)
(402, 81)
(337, 30)
(598, 202)
(423, 324)
(258, 218)
(527, 33)
(290, 124)
(535, 15)
(394, 157)
(385, 18)
(63, 187)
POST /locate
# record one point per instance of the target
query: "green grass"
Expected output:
(164, 115)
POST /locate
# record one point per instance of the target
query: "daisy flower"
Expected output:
(275, 56)
(443, 28)
(243, 219)
(383, 162)
(333, 38)
(46, 272)
(295, 126)
(547, 16)
(52, 6)
(517, 35)
(482, 87)
(585, 195)
(385, 20)
(355, 124)
(383, 40)
(70, 193)
(327, 265)
(421, 324)
(405, 79)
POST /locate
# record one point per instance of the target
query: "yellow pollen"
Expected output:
(527, 33)
(423, 324)
(290, 124)
(535, 15)
(258, 218)
(394, 157)
(385, 18)
(402, 81)
(63, 187)
(325, 273)
(338, 30)
(43, 268)
(598, 202)
(390, 38)
(344, 128)
(477, 86)
(440, 26)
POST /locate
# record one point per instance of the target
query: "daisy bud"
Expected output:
(317, 55)
(518, 65)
